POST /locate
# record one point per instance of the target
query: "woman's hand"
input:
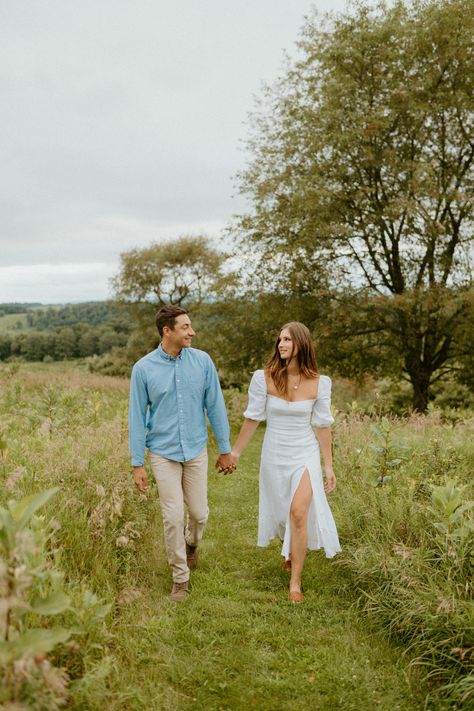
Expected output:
(225, 463)
(330, 484)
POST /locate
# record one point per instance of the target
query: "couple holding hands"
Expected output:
(171, 391)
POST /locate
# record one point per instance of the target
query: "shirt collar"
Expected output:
(167, 357)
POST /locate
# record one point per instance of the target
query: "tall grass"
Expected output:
(236, 643)
(409, 543)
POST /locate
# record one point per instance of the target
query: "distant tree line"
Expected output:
(71, 331)
(78, 341)
(15, 308)
(94, 313)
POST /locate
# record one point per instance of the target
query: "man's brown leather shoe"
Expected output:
(191, 555)
(180, 591)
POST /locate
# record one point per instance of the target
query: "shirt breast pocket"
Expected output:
(195, 385)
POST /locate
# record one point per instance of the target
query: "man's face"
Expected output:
(182, 334)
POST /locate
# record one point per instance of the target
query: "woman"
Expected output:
(291, 395)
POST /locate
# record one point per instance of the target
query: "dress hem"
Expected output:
(310, 548)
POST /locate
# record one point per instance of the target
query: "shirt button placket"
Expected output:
(180, 415)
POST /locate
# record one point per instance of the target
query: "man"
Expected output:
(171, 389)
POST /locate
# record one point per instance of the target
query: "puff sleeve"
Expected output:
(321, 416)
(256, 408)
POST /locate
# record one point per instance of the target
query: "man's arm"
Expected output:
(137, 410)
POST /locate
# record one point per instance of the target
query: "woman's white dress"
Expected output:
(289, 447)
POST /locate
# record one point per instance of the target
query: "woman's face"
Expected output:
(286, 347)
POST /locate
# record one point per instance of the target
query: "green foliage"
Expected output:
(187, 271)
(16, 308)
(66, 343)
(89, 614)
(182, 271)
(32, 589)
(4, 454)
(413, 581)
(360, 180)
(409, 545)
(28, 587)
(454, 522)
(239, 332)
(389, 454)
(92, 313)
(71, 331)
(50, 410)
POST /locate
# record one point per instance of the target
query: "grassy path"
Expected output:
(237, 643)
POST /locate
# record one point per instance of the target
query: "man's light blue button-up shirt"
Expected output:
(169, 398)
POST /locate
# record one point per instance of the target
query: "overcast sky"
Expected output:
(121, 124)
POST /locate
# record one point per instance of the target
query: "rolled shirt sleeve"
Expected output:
(321, 416)
(257, 403)
(216, 410)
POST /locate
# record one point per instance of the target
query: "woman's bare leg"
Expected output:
(299, 529)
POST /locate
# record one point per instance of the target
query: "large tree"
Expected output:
(362, 171)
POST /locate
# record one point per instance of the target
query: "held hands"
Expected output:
(227, 463)
(330, 484)
(140, 479)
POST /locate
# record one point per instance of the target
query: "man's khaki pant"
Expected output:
(181, 483)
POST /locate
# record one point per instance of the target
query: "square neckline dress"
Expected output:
(289, 447)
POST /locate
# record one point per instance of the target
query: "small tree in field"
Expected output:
(183, 271)
(362, 172)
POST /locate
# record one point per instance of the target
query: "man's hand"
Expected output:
(140, 478)
(226, 463)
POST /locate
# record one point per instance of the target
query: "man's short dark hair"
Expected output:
(167, 315)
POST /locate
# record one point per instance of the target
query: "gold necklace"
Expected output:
(295, 387)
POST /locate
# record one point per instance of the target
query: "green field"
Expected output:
(10, 323)
(369, 635)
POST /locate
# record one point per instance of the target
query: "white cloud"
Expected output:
(56, 283)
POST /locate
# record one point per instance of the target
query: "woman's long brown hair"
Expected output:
(277, 368)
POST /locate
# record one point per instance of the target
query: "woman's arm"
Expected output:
(245, 435)
(325, 443)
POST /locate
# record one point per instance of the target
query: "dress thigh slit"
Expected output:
(294, 484)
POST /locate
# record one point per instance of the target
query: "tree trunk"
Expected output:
(421, 386)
